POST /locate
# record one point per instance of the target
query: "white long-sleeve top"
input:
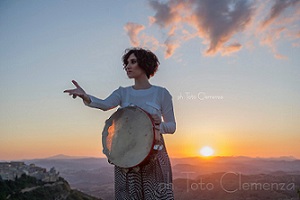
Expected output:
(156, 100)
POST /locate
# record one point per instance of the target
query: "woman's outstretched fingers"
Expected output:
(77, 92)
(76, 84)
(71, 91)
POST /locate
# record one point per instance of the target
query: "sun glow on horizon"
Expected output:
(207, 151)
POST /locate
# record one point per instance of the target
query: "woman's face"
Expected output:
(132, 68)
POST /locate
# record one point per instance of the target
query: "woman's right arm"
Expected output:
(110, 102)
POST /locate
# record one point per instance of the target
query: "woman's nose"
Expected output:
(127, 66)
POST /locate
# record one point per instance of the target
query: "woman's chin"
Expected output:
(130, 77)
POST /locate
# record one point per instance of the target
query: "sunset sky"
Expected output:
(232, 67)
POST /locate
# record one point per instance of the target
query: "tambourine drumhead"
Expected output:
(128, 137)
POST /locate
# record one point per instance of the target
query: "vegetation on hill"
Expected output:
(29, 188)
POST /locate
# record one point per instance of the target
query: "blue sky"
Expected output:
(46, 44)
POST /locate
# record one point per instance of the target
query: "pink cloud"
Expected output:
(133, 30)
(215, 21)
(277, 9)
(149, 42)
(170, 46)
(234, 47)
(218, 23)
(269, 40)
(279, 24)
(218, 27)
(166, 13)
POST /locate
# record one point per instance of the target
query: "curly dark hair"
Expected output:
(145, 59)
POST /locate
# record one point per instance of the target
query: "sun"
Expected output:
(207, 151)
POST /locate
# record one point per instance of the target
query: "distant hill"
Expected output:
(95, 176)
(245, 165)
(63, 157)
(27, 187)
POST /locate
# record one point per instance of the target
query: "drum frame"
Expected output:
(108, 124)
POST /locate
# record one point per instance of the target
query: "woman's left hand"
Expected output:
(157, 122)
(157, 133)
(156, 119)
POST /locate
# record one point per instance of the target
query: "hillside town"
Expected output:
(13, 170)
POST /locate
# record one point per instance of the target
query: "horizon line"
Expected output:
(64, 156)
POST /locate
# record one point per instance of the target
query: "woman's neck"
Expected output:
(140, 84)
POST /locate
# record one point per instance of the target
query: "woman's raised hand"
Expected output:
(78, 91)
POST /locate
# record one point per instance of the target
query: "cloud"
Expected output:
(166, 14)
(223, 27)
(234, 47)
(140, 40)
(216, 22)
(170, 45)
(278, 8)
(279, 24)
(269, 39)
(133, 30)
(220, 26)
(149, 42)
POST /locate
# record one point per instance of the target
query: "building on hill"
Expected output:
(13, 170)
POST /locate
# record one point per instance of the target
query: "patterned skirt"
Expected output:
(151, 180)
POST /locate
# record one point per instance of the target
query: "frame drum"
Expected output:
(128, 137)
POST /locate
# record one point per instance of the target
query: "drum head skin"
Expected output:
(128, 137)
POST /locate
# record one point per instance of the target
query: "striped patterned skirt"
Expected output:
(152, 180)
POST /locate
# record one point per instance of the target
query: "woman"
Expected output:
(152, 180)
